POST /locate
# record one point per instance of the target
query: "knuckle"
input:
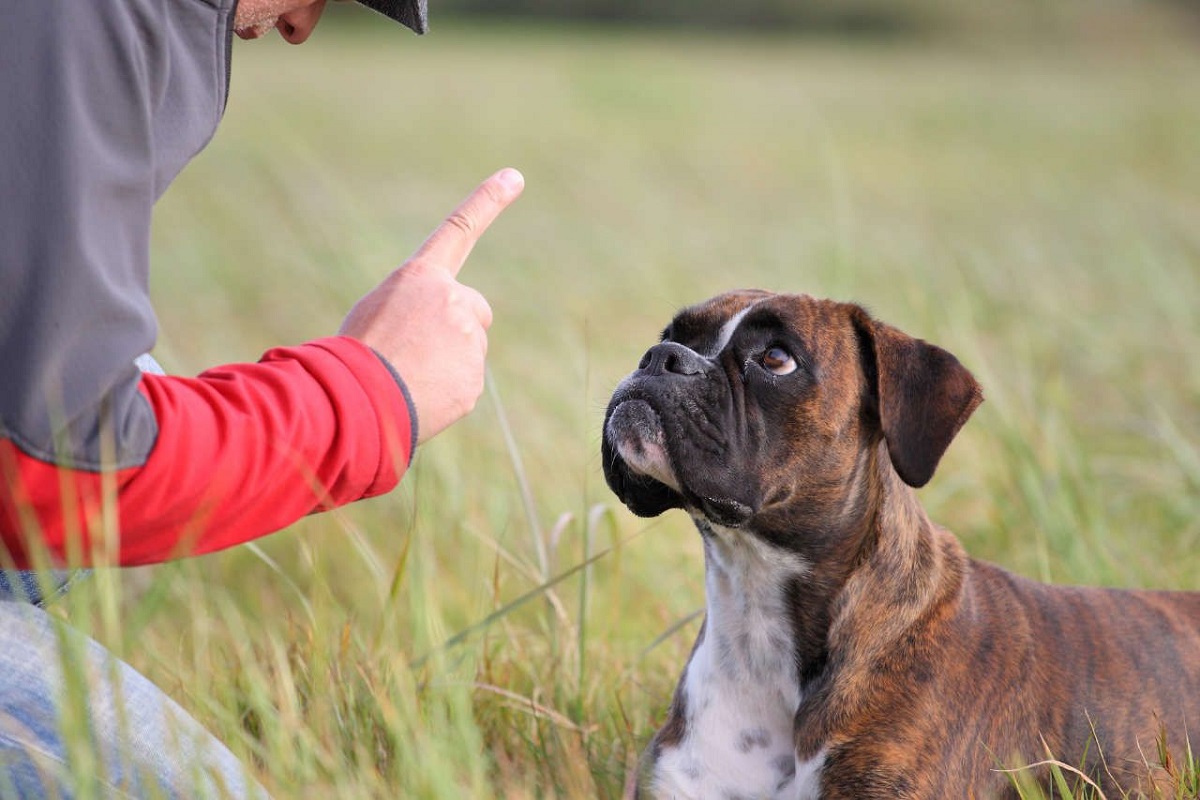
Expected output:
(483, 309)
(467, 404)
(463, 222)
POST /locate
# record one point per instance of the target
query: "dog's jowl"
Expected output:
(851, 648)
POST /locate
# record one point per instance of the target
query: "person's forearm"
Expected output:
(242, 451)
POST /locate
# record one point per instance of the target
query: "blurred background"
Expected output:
(1018, 183)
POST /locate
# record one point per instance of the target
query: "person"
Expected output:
(104, 461)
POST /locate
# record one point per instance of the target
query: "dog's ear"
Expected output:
(922, 396)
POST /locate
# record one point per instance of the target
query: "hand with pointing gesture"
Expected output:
(432, 328)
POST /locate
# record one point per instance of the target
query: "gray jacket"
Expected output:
(102, 103)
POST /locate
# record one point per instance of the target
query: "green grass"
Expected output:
(1034, 207)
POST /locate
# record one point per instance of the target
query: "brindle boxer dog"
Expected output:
(851, 648)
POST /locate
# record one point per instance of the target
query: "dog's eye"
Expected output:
(778, 361)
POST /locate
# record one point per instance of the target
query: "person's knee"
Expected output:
(71, 714)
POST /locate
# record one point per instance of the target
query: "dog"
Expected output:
(850, 647)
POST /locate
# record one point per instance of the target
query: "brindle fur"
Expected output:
(922, 670)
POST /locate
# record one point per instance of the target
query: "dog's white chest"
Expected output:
(741, 686)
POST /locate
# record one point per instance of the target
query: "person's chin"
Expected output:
(256, 31)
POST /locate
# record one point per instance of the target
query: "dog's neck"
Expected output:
(748, 585)
(735, 708)
(757, 702)
(784, 585)
(907, 574)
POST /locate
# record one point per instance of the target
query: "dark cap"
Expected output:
(412, 13)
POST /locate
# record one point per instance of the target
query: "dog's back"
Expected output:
(1022, 672)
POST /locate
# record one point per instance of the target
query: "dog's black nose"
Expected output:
(674, 358)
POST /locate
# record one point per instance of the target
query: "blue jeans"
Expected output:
(132, 742)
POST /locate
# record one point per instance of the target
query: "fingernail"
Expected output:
(512, 180)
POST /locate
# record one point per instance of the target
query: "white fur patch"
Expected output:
(741, 684)
(808, 777)
(727, 331)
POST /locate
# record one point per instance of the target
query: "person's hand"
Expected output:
(432, 328)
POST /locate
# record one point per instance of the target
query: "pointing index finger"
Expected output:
(450, 244)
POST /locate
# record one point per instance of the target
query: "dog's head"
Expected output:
(756, 404)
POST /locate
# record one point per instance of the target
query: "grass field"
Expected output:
(1033, 207)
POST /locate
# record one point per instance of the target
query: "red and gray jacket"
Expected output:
(101, 105)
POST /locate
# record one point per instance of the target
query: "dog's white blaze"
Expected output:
(741, 686)
(728, 329)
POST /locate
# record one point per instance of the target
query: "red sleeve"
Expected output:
(242, 451)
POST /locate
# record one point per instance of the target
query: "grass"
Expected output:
(498, 626)
(1169, 771)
